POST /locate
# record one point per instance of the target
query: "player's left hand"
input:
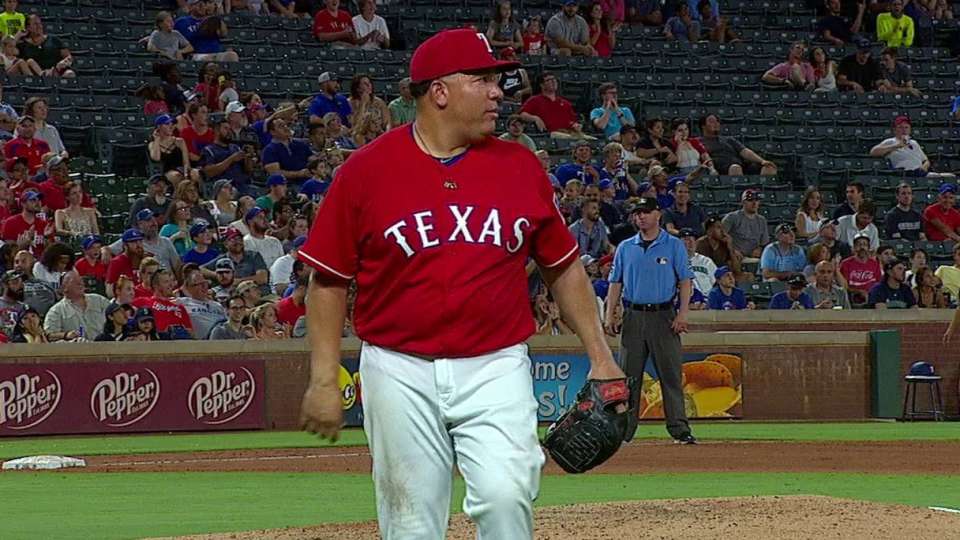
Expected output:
(679, 325)
(321, 411)
(604, 370)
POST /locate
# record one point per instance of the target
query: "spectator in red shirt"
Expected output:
(941, 220)
(54, 188)
(551, 112)
(27, 229)
(128, 261)
(148, 267)
(861, 270)
(293, 307)
(172, 319)
(91, 263)
(334, 26)
(198, 134)
(18, 181)
(25, 145)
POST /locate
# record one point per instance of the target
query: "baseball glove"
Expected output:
(591, 431)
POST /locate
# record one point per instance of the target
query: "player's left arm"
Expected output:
(578, 306)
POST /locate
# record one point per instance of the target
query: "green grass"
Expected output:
(128, 505)
(137, 444)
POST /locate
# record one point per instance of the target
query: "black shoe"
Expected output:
(685, 439)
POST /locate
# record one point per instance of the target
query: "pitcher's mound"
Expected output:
(744, 518)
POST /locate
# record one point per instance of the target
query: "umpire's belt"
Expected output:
(650, 307)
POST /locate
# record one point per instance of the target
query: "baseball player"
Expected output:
(438, 246)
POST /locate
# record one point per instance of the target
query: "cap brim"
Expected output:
(497, 66)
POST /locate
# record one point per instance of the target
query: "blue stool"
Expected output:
(922, 373)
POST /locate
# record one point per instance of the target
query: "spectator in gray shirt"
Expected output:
(567, 33)
(824, 291)
(204, 312)
(166, 41)
(897, 78)
(747, 227)
(233, 327)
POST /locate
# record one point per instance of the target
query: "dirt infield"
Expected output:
(746, 518)
(638, 457)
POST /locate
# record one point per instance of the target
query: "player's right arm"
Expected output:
(321, 411)
(332, 250)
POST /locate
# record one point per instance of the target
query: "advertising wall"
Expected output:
(712, 386)
(101, 397)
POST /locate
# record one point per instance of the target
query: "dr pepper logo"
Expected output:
(28, 399)
(221, 396)
(125, 398)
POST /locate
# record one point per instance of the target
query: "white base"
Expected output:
(42, 462)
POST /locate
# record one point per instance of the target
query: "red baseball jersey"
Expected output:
(439, 250)
(166, 312)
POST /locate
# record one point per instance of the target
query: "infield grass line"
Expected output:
(89, 445)
(137, 505)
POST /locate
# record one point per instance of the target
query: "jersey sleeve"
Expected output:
(553, 246)
(332, 245)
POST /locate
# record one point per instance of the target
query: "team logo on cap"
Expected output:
(486, 42)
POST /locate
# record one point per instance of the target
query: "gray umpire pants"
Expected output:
(648, 333)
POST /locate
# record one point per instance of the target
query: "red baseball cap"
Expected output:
(902, 119)
(454, 51)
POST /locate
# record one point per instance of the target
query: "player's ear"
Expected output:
(440, 93)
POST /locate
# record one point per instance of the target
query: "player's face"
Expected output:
(473, 101)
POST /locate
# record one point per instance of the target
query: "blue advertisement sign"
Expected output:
(556, 380)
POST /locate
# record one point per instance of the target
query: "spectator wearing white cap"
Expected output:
(241, 133)
(329, 100)
(256, 241)
(372, 32)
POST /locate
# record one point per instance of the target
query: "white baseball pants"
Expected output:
(421, 417)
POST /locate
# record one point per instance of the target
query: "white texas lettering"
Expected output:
(490, 233)
(491, 227)
(394, 231)
(461, 227)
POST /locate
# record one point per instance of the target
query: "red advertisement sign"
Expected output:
(37, 399)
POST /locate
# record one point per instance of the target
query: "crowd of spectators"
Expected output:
(209, 250)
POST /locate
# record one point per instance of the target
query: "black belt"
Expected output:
(650, 307)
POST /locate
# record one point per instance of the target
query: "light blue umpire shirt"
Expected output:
(650, 276)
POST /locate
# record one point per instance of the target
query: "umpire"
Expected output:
(650, 271)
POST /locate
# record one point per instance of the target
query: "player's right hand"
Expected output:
(321, 411)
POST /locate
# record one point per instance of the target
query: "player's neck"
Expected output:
(437, 139)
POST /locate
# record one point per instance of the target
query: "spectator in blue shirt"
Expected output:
(782, 259)
(328, 100)
(285, 155)
(204, 33)
(610, 117)
(793, 297)
(223, 159)
(682, 26)
(657, 176)
(725, 295)
(202, 251)
(580, 168)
